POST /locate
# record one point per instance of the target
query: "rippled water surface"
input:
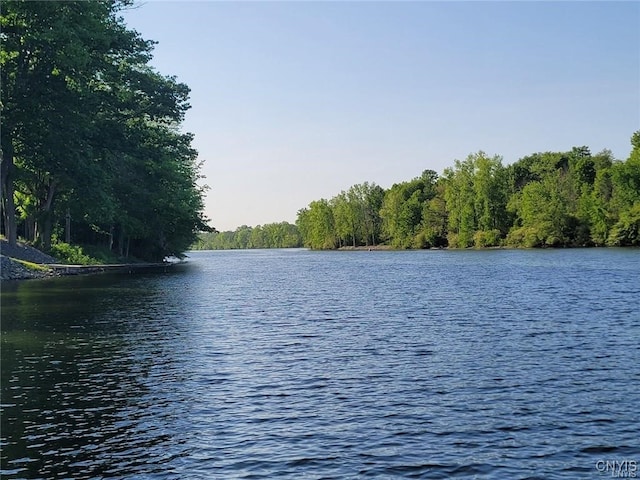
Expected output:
(296, 364)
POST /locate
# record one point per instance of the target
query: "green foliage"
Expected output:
(317, 226)
(71, 254)
(476, 201)
(92, 132)
(550, 199)
(356, 215)
(403, 211)
(271, 235)
(626, 232)
(102, 255)
(351, 218)
(487, 238)
(527, 237)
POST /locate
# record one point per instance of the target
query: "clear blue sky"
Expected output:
(296, 101)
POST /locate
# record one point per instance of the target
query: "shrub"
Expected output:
(527, 237)
(486, 238)
(626, 232)
(71, 254)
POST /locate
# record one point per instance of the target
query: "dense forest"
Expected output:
(92, 151)
(551, 199)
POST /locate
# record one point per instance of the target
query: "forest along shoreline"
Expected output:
(23, 262)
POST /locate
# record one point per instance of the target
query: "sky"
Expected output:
(296, 101)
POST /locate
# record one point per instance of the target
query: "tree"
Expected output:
(370, 197)
(460, 200)
(269, 235)
(91, 130)
(402, 209)
(625, 197)
(317, 226)
(343, 219)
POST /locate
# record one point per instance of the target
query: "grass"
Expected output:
(33, 266)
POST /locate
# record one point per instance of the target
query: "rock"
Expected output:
(25, 252)
(10, 269)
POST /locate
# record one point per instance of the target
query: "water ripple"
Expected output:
(294, 364)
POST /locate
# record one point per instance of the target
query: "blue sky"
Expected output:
(296, 101)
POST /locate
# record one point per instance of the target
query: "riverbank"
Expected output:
(18, 262)
(366, 248)
(23, 262)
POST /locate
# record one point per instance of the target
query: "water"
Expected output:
(295, 364)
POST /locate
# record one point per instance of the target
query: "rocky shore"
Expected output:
(24, 262)
(11, 268)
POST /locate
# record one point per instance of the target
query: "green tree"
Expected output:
(625, 197)
(433, 228)
(460, 201)
(343, 219)
(90, 130)
(316, 225)
(402, 209)
(50, 52)
(357, 214)
(371, 197)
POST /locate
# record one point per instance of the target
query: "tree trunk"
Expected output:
(44, 227)
(6, 185)
(67, 227)
(110, 237)
(121, 241)
(7, 153)
(30, 228)
(47, 230)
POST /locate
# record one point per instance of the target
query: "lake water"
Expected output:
(294, 364)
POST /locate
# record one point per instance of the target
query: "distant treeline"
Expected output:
(271, 235)
(552, 199)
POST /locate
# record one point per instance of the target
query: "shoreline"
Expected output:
(14, 269)
(24, 262)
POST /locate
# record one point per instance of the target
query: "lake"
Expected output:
(506, 364)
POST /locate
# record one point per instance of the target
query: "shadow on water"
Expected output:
(81, 373)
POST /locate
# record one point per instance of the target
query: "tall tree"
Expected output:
(401, 211)
(89, 126)
(460, 199)
(51, 54)
(626, 198)
(317, 226)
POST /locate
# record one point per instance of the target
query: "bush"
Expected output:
(626, 232)
(102, 254)
(428, 238)
(71, 254)
(486, 238)
(452, 240)
(528, 237)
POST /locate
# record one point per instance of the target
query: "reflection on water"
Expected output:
(263, 364)
(86, 378)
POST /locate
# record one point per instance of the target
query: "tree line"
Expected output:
(550, 199)
(270, 235)
(92, 147)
